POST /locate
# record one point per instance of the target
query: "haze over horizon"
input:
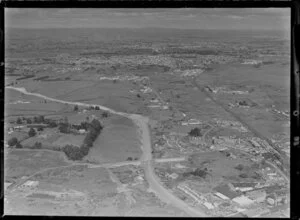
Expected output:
(181, 18)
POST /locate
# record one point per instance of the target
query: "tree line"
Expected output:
(77, 153)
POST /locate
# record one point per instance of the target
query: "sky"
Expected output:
(182, 18)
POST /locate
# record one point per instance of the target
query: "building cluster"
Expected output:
(252, 62)
(18, 102)
(155, 103)
(230, 124)
(251, 145)
(30, 184)
(134, 60)
(270, 177)
(192, 72)
(286, 114)
(223, 89)
(192, 121)
(124, 78)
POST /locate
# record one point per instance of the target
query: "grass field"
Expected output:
(20, 163)
(51, 139)
(34, 105)
(117, 142)
(65, 139)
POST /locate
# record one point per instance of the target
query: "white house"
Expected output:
(81, 131)
(30, 184)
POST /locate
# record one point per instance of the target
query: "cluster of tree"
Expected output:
(39, 119)
(94, 108)
(36, 119)
(51, 123)
(271, 156)
(197, 172)
(37, 145)
(195, 132)
(77, 153)
(239, 167)
(104, 115)
(131, 158)
(14, 142)
(19, 121)
(31, 132)
(243, 175)
(74, 152)
(83, 125)
(64, 128)
(94, 130)
(244, 103)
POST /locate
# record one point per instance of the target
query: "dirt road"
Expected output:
(146, 159)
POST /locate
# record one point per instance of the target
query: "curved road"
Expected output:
(146, 159)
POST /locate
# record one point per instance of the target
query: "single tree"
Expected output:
(19, 121)
(97, 108)
(35, 119)
(104, 115)
(29, 121)
(66, 121)
(195, 132)
(12, 142)
(37, 145)
(19, 145)
(243, 175)
(41, 119)
(64, 128)
(40, 129)
(76, 108)
(52, 124)
(96, 125)
(239, 167)
(31, 132)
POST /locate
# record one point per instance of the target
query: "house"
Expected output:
(208, 205)
(173, 176)
(82, 131)
(220, 195)
(18, 128)
(30, 184)
(243, 200)
(139, 179)
(243, 186)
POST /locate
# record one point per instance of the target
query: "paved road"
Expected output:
(163, 160)
(146, 159)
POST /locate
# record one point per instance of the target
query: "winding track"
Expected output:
(146, 159)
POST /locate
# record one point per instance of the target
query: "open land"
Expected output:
(187, 126)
